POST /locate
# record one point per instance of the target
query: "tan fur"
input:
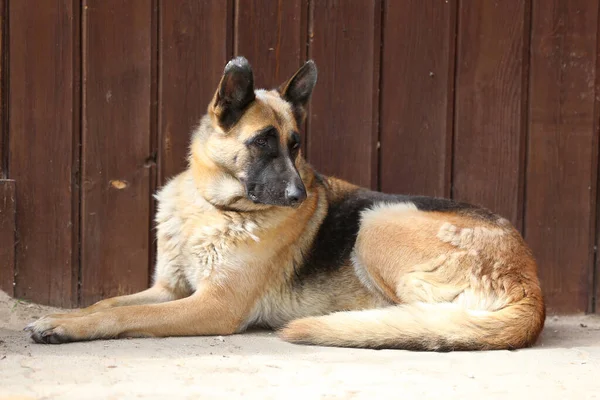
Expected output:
(415, 279)
(474, 287)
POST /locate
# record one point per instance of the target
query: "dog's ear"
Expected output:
(298, 88)
(235, 92)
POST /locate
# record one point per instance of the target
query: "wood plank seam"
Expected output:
(4, 89)
(376, 95)
(310, 18)
(526, 114)
(7, 235)
(451, 106)
(76, 157)
(525, 95)
(83, 127)
(379, 87)
(233, 40)
(452, 138)
(151, 161)
(303, 46)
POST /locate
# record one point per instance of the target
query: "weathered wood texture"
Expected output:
(7, 236)
(193, 53)
(3, 92)
(270, 35)
(417, 96)
(273, 37)
(491, 102)
(345, 41)
(562, 149)
(491, 93)
(116, 147)
(43, 99)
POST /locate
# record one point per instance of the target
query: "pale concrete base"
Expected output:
(564, 365)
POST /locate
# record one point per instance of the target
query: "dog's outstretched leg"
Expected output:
(158, 293)
(203, 313)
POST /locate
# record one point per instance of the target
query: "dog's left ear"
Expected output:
(298, 88)
(235, 92)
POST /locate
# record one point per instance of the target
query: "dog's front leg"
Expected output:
(210, 311)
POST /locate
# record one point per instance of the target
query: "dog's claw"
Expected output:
(49, 337)
(47, 331)
(37, 337)
(45, 337)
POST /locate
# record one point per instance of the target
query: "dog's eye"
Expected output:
(261, 142)
(295, 146)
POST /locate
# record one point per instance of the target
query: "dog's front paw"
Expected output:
(49, 330)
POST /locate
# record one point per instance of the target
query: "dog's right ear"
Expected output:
(235, 93)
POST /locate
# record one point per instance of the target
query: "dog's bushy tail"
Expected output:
(424, 326)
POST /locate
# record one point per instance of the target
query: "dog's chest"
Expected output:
(197, 242)
(216, 248)
(213, 246)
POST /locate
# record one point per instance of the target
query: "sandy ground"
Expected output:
(564, 365)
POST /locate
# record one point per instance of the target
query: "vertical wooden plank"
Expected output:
(269, 34)
(3, 76)
(490, 116)
(594, 272)
(152, 162)
(345, 43)
(7, 187)
(116, 147)
(417, 96)
(559, 205)
(42, 61)
(7, 236)
(594, 300)
(193, 53)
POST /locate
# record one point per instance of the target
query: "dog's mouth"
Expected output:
(263, 196)
(255, 194)
(266, 194)
(266, 197)
(250, 191)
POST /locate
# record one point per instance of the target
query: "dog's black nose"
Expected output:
(295, 193)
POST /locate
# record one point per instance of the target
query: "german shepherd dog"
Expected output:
(251, 236)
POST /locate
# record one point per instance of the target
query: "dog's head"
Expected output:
(250, 139)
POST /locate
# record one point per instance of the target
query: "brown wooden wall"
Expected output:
(491, 102)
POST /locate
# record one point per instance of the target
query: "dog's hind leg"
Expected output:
(459, 283)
